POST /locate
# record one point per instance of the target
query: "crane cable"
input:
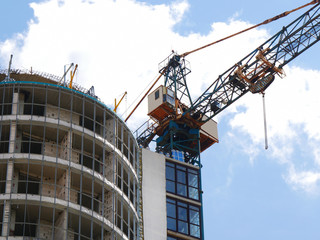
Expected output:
(255, 26)
(161, 73)
(225, 38)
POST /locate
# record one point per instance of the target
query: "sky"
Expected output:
(249, 192)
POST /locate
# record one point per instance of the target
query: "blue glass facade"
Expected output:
(182, 181)
(183, 201)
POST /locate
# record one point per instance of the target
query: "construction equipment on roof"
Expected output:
(186, 125)
(72, 73)
(116, 105)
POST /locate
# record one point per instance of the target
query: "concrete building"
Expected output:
(69, 167)
(172, 208)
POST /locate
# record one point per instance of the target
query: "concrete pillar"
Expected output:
(61, 226)
(110, 130)
(110, 167)
(44, 230)
(14, 146)
(66, 151)
(109, 206)
(61, 230)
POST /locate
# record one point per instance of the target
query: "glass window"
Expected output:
(171, 210)
(171, 186)
(193, 193)
(194, 216)
(194, 231)
(171, 224)
(182, 190)
(181, 177)
(170, 92)
(193, 179)
(156, 95)
(170, 178)
(182, 204)
(170, 173)
(182, 213)
(183, 227)
(182, 181)
(183, 218)
(178, 155)
(181, 167)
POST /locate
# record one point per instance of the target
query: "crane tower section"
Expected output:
(184, 125)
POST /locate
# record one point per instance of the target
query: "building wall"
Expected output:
(171, 198)
(154, 195)
(68, 166)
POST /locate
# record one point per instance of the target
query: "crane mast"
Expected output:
(181, 126)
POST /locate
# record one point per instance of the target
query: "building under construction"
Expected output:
(68, 164)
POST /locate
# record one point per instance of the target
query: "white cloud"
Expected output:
(118, 45)
(178, 9)
(293, 125)
(115, 43)
(307, 181)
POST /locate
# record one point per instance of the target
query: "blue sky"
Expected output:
(249, 193)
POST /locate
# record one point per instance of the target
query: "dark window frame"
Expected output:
(175, 217)
(157, 94)
(181, 185)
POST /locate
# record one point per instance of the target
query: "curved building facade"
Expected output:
(68, 165)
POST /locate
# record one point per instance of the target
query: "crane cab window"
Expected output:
(170, 96)
(156, 95)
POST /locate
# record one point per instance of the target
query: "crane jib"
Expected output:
(257, 70)
(254, 73)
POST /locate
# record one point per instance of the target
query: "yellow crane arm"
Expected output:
(116, 105)
(72, 73)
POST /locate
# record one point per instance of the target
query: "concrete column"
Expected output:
(66, 151)
(110, 130)
(110, 169)
(61, 226)
(12, 177)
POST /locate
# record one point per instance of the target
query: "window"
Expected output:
(182, 181)
(156, 95)
(193, 184)
(28, 184)
(170, 92)
(30, 144)
(178, 155)
(171, 215)
(171, 177)
(183, 218)
(194, 222)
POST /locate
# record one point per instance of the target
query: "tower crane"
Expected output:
(182, 124)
